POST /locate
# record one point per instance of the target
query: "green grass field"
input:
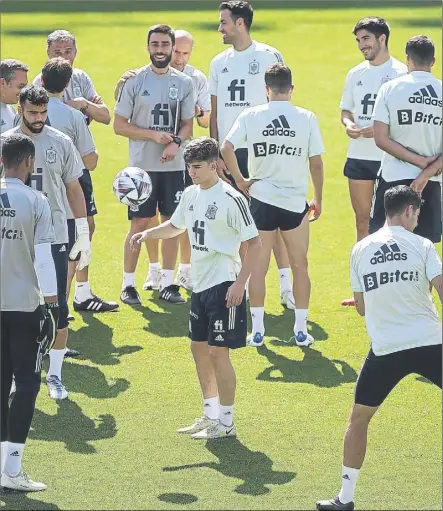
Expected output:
(113, 445)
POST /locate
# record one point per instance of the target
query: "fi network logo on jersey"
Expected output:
(388, 253)
(237, 91)
(5, 206)
(279, 127)
(426, 96)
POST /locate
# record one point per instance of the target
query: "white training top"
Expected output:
(237, 78)
(7, 116)
(217, 221)
(411, 106)
(280, 138)
(359, 95)
(393, 268)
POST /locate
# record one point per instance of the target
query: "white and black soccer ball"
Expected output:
(132, 186)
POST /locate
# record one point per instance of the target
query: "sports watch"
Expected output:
(177, 140)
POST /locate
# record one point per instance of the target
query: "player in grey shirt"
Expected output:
(56, 74)
(13, 77)
(28, 281)
(155, 110)
(56, 166)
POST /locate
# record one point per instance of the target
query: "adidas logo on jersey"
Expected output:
(145, 93)
(359, 84)
(3, 122)
(388, 253)
(279, 127)
(225, 70)
(426, 96)
(5, 206)
(191, 208)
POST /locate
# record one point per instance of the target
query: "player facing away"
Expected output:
(391, 273)
(57, 167)
(357, 105)
(155, 110)
(407, 126)
(285, 146)
(29, 307)
(217, 219)
(13, 77)
(236, 81)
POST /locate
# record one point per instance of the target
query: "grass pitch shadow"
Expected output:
(314, 369)
(235, 460)
(20, 500)
(178, 498)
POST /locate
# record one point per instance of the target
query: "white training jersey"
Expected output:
(201, 89)
(237, 78)
(7, 116)
(411, 106)
(393, 268)
(361, 88)
(280, 138)
(218, 221)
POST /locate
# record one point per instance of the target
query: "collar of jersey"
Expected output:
(245, 52)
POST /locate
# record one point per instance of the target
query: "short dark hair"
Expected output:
(8, 67)
(278, 78)
(201, 149)
(56, 74)
(239, 9)
(162, 29)
(34, 94)
(397, 199)
(375, 25)
(421, 50)
(16, 148)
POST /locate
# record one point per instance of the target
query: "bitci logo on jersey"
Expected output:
(262, 149)
(374, 281)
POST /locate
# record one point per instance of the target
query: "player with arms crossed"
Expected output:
(278, 185)
(357, 104)
(407, 126)
(57, 167)
(150, 107)
(28, 326)
(391, 273)
(236, 81)
(218, 221)
(13, 77)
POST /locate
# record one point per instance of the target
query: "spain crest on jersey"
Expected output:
(254, 68)
(211, 212)
(51, 156)
(173, 93)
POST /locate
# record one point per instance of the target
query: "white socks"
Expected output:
(13, 459)
(167, 278)
(349, 482)
(211, 408)
(56, 358)
(285, 280)
(3, 449)
(82, 292)
(155, 266)
(184, 268)
(128, 279)
(301, 318)
(227, 415)
(257, 317)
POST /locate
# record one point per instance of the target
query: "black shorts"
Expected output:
(72, 235)
(271, 218)
(429, 221)
(379, 375)
(86, 184)
(212, 322)
(60, 256)
(361, 170)
(167, 188)
(242, 160)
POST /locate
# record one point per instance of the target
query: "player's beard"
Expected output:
(161, 64)
(31, 126)
(373, 53)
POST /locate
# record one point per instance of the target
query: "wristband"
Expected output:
(82, 226)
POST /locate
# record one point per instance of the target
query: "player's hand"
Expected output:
(77, 103)
(82, 245)
(353, 131)
(137, 239)
(170, 152)
(425, 161)
(130, 73)
(367, 132)
(222, 171)
(419, 183)
(197, 111)
(243, 185)
(235, 294)
(314, 211)
(48, 332)
(162, 138)
(97, 100)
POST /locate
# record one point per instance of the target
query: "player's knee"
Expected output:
(139, 224)
(361, 415)
(218, 355)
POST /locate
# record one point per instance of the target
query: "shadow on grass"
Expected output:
(71, 426)
(178, 498)
(422, 379)
(237, 461)
(314, 369)
(420, 22)
(19, 500)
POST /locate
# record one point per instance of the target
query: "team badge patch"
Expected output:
(254, 68)
(173, 93)
(211, 212)
(51, 156)
(77, 92)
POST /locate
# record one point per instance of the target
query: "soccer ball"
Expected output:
(132, 186)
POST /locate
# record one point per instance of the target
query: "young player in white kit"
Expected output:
(391, 274)
(284, 145)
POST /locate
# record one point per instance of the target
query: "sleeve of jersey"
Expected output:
(44, 229)
(237, 134)
(178, 217)
(381, 110)
(433, 263)
(240, 219)
(89, 89)
(188, 102)
(316, 146)
(355, 279)
(203, 98)
(279, 57)
(213, 78)
(125, 101)
(37, 81)
(73, 167)
(347, 98)
(85, 142)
